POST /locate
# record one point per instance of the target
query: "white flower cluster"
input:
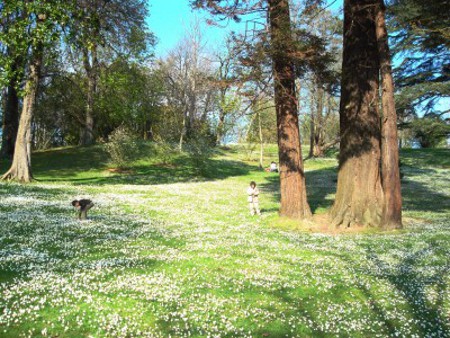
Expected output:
(185, 260)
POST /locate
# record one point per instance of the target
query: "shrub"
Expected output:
(123, 147)
(200, 149)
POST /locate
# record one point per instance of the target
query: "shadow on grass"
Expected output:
(178, 171)
(426, 157)
(411, 280)
(319, 184)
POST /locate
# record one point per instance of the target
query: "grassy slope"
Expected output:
(171, 250)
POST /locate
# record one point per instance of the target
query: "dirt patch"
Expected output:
(120, 171)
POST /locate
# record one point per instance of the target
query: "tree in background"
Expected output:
(190, 93)
(36, 27)
(101, 31)
(420, 36)
(318, 79)
(430, 131)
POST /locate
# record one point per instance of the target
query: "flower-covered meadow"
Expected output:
(183, 258)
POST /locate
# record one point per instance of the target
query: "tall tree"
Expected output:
(108, 29)
(392, 214)
(292, 179)
(282, 53)
(359, 196)
(368, 191)
(37, 27)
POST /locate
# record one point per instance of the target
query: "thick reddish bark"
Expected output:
(392, 215)
(292, 179)
(359, 196)
(21, 166)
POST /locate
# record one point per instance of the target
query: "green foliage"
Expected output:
(430, 131)
(420, 40)
(27, 26)
(200, 149)
(123, 147)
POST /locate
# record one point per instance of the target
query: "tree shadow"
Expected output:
(178, 171)
(411, 280)
(420, 197)
(319, 184)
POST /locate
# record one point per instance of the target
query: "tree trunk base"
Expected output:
(13, 175)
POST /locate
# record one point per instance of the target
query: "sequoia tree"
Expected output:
(392, 214)
(282, 54)
(359, 196)
(292, 177)
(368, 190)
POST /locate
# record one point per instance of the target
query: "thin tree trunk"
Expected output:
(221, 124)
(359, 196)
(183, 131)
(318, 130)
(292, 179)
(261, 142)
(312, 125)
(10, 123)
(91, 68)
(392, 216)
(21, 166)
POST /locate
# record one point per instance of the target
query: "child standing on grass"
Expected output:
(253, 198)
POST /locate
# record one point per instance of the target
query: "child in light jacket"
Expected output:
(253, 198)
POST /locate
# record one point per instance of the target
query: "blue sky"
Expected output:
(169, 20)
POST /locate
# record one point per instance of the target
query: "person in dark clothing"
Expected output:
(83, 207)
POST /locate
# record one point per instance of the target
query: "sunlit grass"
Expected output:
(169, 252)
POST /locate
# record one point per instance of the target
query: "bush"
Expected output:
(200, 149)
(123, 147)
(164, 151)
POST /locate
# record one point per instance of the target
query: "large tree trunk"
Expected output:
(21, 166)
(292, 178)
(10, 123)
(359, 196)
(392, 215)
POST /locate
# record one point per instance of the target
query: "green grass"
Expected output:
(170, 250)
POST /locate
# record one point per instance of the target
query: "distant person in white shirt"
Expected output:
(273, 167)
(253, 199)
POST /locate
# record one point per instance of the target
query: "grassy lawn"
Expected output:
(170, 250)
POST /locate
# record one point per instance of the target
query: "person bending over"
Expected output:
(83, 207)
